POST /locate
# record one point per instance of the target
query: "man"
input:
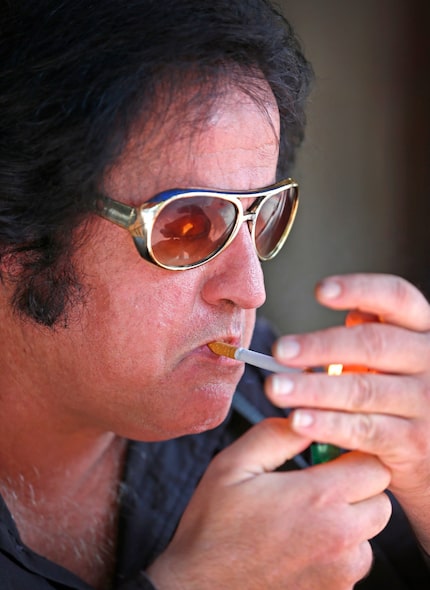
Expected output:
(137, 137)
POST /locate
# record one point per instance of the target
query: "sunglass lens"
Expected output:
(191, 229)
(273, 222)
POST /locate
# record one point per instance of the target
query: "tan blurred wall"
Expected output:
(351, 167)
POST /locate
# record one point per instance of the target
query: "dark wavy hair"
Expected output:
(75, 76)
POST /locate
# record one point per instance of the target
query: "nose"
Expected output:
(236, 275)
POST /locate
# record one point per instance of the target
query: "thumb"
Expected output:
(263, 448)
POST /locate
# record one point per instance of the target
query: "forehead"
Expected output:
(224, 144)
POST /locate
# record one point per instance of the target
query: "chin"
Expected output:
(210, 412)
(209, 424)
(197, 427)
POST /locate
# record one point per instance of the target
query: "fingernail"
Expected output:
(287, 348)
(281, 385)
(329, 289)
(302, 419)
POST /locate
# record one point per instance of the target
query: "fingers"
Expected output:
(387, 327)
(391, 298)
(401, 396)
(264, 448)
(309, 528)
(354, 477)
(389, 438)
(382, 347)
(270, 443)
(378, 414)
(384, 415)
(378, 510)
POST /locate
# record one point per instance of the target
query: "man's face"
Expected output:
(136, 361)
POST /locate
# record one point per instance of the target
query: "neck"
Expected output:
(59, 472)
(65, 504)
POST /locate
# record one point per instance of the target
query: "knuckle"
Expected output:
(362, 429)
(353, 565)
(356, 564)
(379, 514)
(372, 341)
(361, 394)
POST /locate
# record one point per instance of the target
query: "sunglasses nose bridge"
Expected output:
(249, 217)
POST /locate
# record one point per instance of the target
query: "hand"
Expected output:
(249, 527)
(385, 412)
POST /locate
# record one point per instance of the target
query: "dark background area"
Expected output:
(364, 166)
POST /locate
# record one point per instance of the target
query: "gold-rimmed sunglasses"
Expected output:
(180, 229)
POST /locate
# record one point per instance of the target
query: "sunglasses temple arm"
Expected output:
(119, 213)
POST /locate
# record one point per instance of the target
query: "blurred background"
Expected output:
(364, 167)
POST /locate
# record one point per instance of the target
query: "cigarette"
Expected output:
(257, 359)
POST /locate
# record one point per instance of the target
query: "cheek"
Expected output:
(137, 310)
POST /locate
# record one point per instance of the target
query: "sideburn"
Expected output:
(44, 281)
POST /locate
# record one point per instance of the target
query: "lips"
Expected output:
(232, 340)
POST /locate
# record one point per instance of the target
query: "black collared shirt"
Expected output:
(158, 482)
